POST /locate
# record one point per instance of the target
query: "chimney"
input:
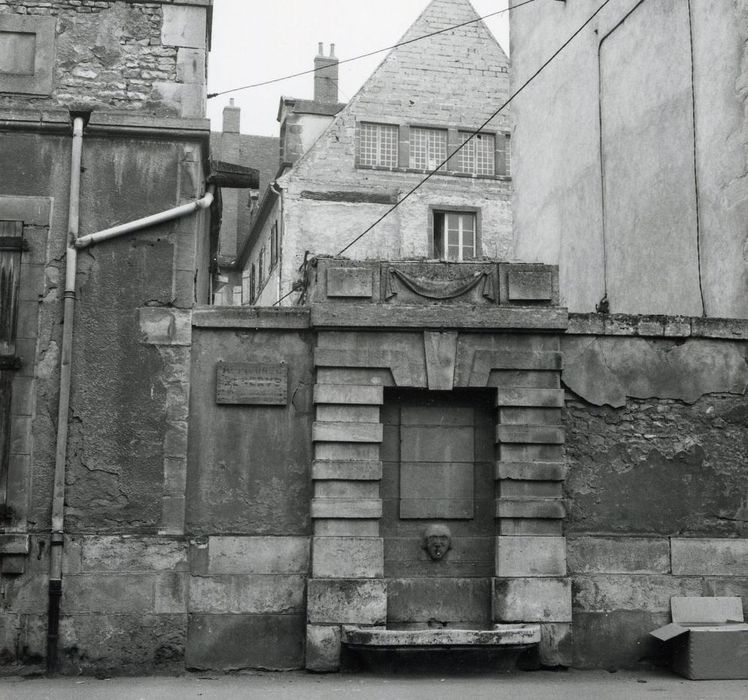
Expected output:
(326, 76)
(231, 118)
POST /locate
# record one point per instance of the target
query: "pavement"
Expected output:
(543, 685)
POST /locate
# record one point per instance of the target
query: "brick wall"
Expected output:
(145, 56)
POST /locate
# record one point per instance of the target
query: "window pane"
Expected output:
(428, 148)
(477, 156)
(378, 145)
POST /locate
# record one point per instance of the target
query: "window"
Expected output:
(455, 235)
(252, 284)
(27, 46)
(428, 148)
(479, 154)
(378, 145)
(273, 245)
(261, 268)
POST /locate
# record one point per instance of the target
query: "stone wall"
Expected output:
(117, 54)
(656, 448)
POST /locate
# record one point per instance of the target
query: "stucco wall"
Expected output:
(629, 153)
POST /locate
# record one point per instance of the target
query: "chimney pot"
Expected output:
(321, 49)
(332, 50)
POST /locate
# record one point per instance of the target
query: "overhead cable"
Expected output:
(370, 53)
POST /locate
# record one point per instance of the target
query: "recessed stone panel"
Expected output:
(351, 282)
(440, 490)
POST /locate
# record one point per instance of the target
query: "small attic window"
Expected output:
(378, 145)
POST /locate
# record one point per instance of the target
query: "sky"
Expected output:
(257, 40)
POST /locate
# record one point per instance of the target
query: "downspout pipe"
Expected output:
(58, 494)
(175, 213)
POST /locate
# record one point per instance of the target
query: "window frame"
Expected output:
(472, 147)
(360, 145)
(438, 159)
(434, 211)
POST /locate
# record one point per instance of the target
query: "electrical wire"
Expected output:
(472, 135)
(477, 131)
(370, 53)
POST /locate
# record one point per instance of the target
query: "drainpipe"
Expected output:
(279, 192)
(175, 213)
(73, 244)
(58, 497)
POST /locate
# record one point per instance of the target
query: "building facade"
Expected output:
(344, 166)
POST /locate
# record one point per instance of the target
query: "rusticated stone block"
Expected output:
(336, 413)
(533, 434)
(709, 557)
(348, 394)
(333, 527)
(530, 556)
(322, 648)
(540, 508)
(548, 527)
(532, 600)
(347, 432)
(531, 471)
(521, 396)
(362, 470)
(348, 557)
(624, 592)
(346, 451)
(556, 644)
(512, 488)
(354, 601)
(258, 555)
(346, 508)
(619, 555)
(351, 490)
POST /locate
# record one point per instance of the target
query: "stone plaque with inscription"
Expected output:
(256, 383)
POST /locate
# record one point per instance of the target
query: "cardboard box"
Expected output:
(708, 637)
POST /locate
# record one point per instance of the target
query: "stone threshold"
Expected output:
(501, 635)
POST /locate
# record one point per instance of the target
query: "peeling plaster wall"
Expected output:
(657, 455)
(610, 179)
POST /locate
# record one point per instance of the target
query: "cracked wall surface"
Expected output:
(645, 198)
